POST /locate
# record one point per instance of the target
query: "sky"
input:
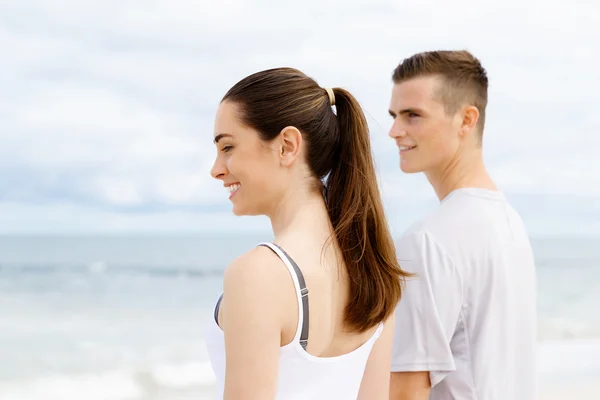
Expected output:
(107, 107)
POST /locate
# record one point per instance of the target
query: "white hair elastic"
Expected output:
(331, 95)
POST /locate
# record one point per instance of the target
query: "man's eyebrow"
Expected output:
(404, 111)
(411, 110)
(221, 136)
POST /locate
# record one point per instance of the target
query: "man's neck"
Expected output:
(464, 171)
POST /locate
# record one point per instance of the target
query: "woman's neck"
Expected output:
(300, 211)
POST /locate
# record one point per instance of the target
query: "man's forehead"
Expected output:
(416, 92)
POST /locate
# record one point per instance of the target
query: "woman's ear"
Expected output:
(290, 145)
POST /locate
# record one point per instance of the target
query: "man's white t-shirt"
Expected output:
(469, 316)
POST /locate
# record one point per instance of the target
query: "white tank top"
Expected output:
(302, 376)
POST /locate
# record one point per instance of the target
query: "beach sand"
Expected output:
(580, 391)
(569, 369)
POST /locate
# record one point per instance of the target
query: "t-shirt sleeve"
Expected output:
(428, 311)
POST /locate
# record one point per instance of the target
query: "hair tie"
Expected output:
(331, 95)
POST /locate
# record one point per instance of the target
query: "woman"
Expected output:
(309, 316)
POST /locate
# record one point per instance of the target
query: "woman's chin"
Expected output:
(240, 211)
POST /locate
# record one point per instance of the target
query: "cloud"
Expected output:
(108, 107)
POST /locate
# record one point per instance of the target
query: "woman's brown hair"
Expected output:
(339, 155)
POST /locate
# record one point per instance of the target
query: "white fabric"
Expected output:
(469, 317)
(302, 376)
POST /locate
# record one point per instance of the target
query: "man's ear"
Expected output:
(290, 143)
(470, 116)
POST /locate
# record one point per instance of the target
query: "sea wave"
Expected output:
(102, 268)
(174, 381)
(563, 327)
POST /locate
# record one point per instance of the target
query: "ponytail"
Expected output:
(356, 211)
(338, 150)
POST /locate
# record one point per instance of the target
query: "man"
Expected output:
(466, 325)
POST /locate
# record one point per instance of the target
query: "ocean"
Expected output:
(123, 317)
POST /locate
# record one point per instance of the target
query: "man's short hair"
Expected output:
(464, 80)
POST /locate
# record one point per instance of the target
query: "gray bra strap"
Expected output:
(303, 294)
(217, 309)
